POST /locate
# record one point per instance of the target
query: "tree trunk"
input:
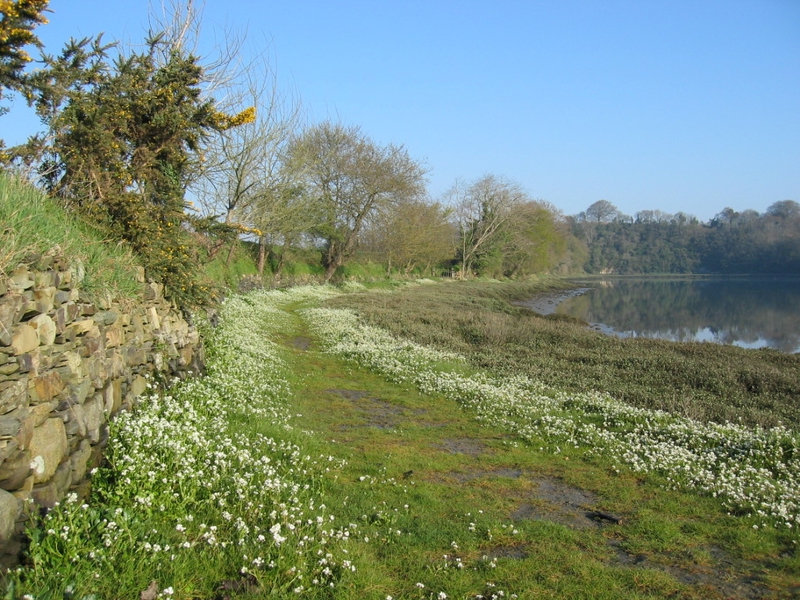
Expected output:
(262, 255)
(215, 247)
(230, 253)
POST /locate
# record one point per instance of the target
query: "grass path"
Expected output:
(288, 471)
(442, 506)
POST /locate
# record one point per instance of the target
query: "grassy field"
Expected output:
(325, 458)
(707, 382)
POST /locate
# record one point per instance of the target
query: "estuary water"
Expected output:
(746, 312)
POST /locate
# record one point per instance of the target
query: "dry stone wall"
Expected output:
(67, 366)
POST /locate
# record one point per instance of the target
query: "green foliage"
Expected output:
(123, 140)
(18, 19)
(731, 243)
(350, 177)
(33, 224)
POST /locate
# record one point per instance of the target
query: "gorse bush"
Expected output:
(124, 141)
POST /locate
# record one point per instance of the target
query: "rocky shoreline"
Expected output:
(546, 304)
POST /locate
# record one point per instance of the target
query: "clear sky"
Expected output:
(678, 105)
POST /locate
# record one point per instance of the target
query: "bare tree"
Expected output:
(244, 181)
(480, 210)
(601, 211)
(350, 176)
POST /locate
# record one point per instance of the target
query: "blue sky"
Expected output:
(651, 104)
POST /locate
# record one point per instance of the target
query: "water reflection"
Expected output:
(752, 313)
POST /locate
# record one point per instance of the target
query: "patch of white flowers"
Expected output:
(753, 471)
(188, 483)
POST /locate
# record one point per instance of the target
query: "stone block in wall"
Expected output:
(41, 412)
(61, 297)
(25, 433)
(15, 470)
(24, 492)
(153, 319)
(74, 421)
(10, 305)
(23, 339)
(30, 363)
(11, 423)
(106, 317)
(138, 386)
(8, 448)
(46, 387)
(78, 392)
(115, 336)
(10, 510)
(13, 394)
(137, 328)
(79, 460)
(43, 279)
(135, 355)
(93, 344)
(94, 417)
(63, 477)
(116, 362)
(45, 329)
(44, 299)
(45, 495)
(112, 397)
(48, 449)
(63, 280)
(81, 326)
(21, 278)
(71, 367)
(8, 369)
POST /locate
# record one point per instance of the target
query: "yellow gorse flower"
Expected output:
(223, 121)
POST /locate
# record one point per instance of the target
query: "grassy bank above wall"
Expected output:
(704, 381)
(31, 224)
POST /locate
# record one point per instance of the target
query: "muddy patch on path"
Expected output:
(301, 342)
(378, 413)
(719, 572)
(561, 503)
(469, 446)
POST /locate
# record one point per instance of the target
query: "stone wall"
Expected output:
(67, 366)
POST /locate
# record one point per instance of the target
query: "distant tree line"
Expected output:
(656, 242)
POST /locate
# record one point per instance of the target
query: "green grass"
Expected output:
(707, 382)
(31, 225)
(419, 482)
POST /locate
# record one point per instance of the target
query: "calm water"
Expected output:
(752, 313)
